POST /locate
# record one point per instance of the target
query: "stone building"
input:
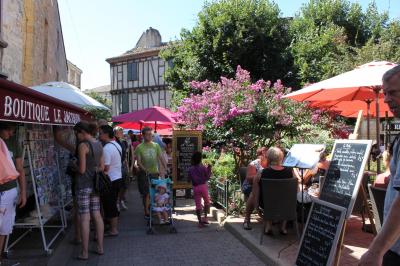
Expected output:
(137, 76)
(103, 91)
(32, 46)
(74, 74)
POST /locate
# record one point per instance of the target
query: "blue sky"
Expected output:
(97, 29)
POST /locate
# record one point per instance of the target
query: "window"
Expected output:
(125, 103)
(133, 71)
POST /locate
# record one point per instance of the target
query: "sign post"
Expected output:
(185, 143)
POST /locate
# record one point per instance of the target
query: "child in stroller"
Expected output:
(161, 200)
(160, 190)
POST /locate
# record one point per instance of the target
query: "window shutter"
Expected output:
(134, 71)
(130, 71)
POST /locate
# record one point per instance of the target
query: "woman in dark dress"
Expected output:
(275, 171)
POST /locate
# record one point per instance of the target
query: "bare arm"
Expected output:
(388, 235)
(19, 165)
(101, 165)
(83, 149)
(161, 161)
(140, 164)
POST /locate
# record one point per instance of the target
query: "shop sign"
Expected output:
(14, 107)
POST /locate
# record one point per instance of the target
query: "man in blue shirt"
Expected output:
(385, 249)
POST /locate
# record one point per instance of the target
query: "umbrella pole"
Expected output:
(368, 128)
(378, 137)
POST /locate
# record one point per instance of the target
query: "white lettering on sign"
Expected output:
(16, 108)
(7, 106)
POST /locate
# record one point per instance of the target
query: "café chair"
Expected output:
(377, 197)
(279, 198)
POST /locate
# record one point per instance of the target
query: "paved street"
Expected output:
(191, 246)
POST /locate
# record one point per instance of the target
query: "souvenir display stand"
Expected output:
(45, 162)
(45, 181)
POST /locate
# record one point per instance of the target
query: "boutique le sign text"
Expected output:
(31, 111)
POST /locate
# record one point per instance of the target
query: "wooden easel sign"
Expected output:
(321, 235)
(345, 173)
(185, 143)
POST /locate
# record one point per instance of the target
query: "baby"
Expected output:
(161, 201)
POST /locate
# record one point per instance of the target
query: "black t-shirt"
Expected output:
(269, 173)
(124, 145)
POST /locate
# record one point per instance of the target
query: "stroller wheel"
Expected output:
(150, 231)
(173, 230)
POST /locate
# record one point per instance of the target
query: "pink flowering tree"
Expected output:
(246, 115)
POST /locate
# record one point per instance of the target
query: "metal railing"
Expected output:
(222, 192)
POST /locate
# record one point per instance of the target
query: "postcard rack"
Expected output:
(46, 183)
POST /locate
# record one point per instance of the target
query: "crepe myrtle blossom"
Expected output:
(222, 103)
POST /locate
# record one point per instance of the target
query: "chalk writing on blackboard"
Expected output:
(345, 173)
(321, 234)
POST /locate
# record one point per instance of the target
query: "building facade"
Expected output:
(74, 74)
(32, 45)
(137, 76)
(103, 91)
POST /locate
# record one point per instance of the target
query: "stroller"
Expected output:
(153, 184)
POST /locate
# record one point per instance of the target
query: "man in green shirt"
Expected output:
(149, 157)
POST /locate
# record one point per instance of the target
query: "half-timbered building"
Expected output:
(137, 76)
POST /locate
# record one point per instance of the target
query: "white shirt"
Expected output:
(112, 158)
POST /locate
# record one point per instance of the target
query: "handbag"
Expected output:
(101, 182)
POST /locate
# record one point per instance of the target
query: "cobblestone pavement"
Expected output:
(190, 246)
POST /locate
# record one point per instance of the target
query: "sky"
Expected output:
(94, 30)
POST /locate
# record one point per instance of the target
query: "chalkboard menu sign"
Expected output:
(345, 172)
(321, 234)
(185, 143)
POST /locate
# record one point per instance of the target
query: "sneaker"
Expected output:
(123, 206)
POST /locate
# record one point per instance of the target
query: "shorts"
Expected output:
(109, 200)
(8, 203)
(87, 201)
(143, 182)
(201, 192)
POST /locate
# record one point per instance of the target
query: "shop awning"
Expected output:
(21, 104)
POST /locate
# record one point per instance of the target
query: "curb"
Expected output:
(252, 244)
(218, 215)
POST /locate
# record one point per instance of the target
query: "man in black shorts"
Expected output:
(149, 158)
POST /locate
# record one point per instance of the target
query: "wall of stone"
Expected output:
(35, 52)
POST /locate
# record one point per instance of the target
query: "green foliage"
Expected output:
(330, 37)
(228, 33)
(100, 113)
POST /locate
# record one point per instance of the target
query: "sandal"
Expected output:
(269, 233)
(81, 258)
(246, 225)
